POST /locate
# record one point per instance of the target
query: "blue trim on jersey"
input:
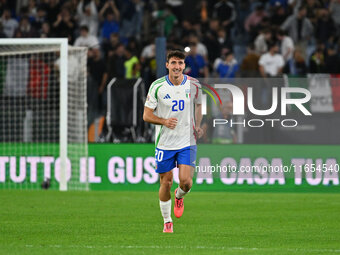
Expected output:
(184, 80)
(168, 80)
(169, 158)
(170, 83)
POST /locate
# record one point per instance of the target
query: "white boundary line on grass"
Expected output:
(179, 247)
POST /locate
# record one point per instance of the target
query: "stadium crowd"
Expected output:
(223, 38)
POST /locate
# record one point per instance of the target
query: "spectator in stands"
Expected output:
(132, 65)
(2, 34)
(334, 8)
(71, 6)
(133, 46)
(114, 66)
(250, 63)
(283, 3)
(88, 16)
(325, 26)
(24, 12)
(332, 63)
(149, 51)
(195, 64)
(261, 41)
(53, 10)
(131, 19)
(243, 11)
(297, 65)
(96, 68)
(40, 18)
(299, 27)
(116, 62)
(254, 19)
(287, 45)
(223, 40)
(220, 58)
(45, 30)
(228, 67)
(8, 23)
(174, 42)
(110, 16)
(148, 62)
(32, 9)
(317, 61)
(265, 23)
(210, 39)
(176, 8)
(165, 14)
(25, 29)
(85, 39)
(271, 63)
(204, 14)
(64, 25)
(225, 12)
(201, 48)
(110, 46)
(279, 15)
(312, 8)
(187, 28)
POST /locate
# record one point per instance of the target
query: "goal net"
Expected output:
(43, 116)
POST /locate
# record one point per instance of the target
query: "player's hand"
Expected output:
(199, 132)
(171, 123)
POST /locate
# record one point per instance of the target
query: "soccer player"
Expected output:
(173, 104)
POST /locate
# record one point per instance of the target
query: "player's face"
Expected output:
(175, 66)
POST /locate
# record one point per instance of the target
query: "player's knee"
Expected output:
(186, 184)
(166, 183)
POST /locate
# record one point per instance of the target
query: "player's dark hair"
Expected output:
(175, 53)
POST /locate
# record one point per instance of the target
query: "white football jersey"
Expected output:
(178, 102)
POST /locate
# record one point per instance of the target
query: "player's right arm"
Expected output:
(151, 104)
(150, 117)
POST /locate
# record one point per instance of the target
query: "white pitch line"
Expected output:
(180, 247)
(185, 247)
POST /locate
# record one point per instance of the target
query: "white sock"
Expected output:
(166, 210)
(180, 193)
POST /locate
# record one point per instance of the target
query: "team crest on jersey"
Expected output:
(148, 98)
(187, 93)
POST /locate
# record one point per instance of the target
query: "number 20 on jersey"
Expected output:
(177, 105)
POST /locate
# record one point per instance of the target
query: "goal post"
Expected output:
(43, 114)
(63, 113)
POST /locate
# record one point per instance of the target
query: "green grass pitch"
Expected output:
(52, 222)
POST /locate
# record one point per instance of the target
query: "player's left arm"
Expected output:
(198, 118)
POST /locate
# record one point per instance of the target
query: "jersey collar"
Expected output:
(182, 83)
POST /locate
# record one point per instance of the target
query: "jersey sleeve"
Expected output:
(194, 83)
(151, 100)
(198, 96)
